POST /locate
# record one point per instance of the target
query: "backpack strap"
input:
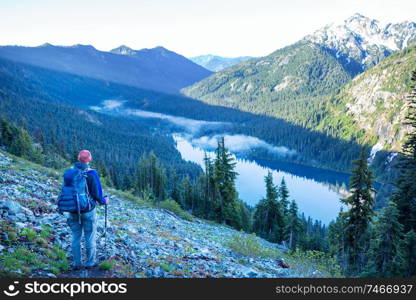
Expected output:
(85, 172)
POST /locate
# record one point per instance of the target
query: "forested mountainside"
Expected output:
(372, 106)
(51, 105)
(217, 63)
(360, 42)
(286, 84)
(155, 69)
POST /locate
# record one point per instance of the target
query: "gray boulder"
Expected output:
(12, 206)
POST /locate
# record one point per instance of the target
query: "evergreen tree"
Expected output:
(405, 196)
(188, 194)
(386, 258)
(284, 196)
(245, 216)
(22, 144)
(336, 238)
(210, 199)
(224, 177)
(409, 253)
(294, 225)
(176, 190)
(268, 217)
(359, 215)
(6, 132)
(151, 176)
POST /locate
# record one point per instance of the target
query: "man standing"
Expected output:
(84, 220)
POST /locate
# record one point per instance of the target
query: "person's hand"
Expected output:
(107, 200)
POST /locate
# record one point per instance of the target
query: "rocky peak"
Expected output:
(364, 41)
(123, 50)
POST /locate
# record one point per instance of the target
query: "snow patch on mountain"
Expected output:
(363, 40)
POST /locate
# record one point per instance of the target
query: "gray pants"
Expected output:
(89, 227)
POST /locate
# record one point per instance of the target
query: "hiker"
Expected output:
(80, 193)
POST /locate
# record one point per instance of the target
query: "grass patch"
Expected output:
(166, 267)
(314, 263)
(129, 196)
(29, 234)
(174, 207)
(23, 261)
(249, 245)
(169, 236)
(46, 231)
(106, 265)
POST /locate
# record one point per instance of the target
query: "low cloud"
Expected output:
(190, 125)
(108, 105)
(241, 143)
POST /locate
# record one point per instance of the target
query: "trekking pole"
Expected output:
(105, 229)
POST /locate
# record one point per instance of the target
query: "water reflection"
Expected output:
(316, 191)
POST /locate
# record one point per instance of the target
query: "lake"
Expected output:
(316, 191)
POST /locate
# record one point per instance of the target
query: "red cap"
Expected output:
(84, 156)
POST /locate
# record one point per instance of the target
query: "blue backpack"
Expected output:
(74, 196)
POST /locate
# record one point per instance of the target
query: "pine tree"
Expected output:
(176, 191)
(284, 196)
(405, 196)
(294, 225)
(386, 258)
(188, 195)
(22, 144)
(336, 238)
(151, 176)
(224, 177)
(358, 217)
(245, 216)
(409, 253)
(210, 199)
(268, 218)
(6, 133)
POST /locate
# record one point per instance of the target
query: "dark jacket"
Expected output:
(93, 182)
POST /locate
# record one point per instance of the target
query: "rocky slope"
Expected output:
(374, 102)
(142, 240)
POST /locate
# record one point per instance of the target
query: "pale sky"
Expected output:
(188, 27)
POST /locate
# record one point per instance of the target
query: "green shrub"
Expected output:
(41, 242)
(249, 245)
(20, 262)
(29, 234)
(129, 196)
(46, 231)
(314, 263)
(106, 265)
(174, 207)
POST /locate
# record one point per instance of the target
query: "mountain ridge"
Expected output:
(361, 42)
(156, 69)
(217, 63)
